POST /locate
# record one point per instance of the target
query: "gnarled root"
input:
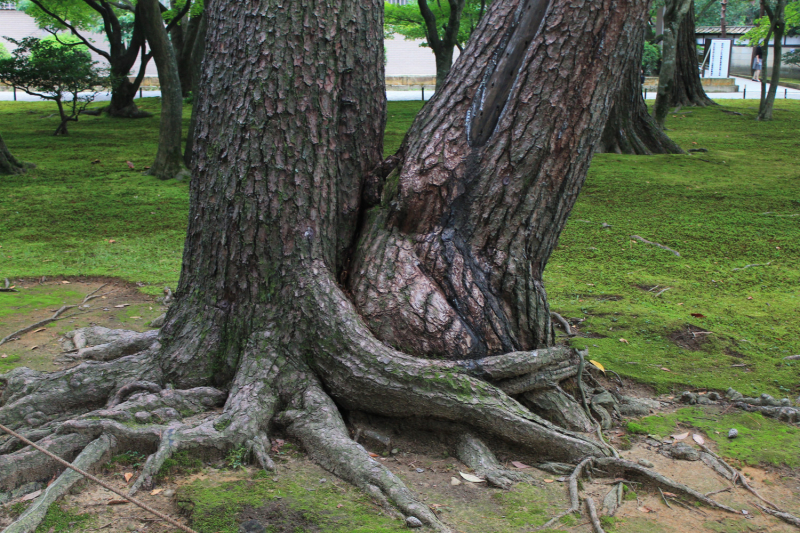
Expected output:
(92, 454)
(471, 451)
(314, 419)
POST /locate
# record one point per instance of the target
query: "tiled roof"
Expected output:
(733, 30)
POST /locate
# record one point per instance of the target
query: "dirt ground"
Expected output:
(422, 460)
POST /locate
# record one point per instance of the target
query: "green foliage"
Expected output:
(406, 20)
(237, 457)
(760, 440)
(738, 13)
(59, 519)
(757, 35)
(54, 71)
(650, 58)
(132, 459)
(4, 53)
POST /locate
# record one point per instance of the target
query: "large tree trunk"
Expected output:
(687, 89)
(295, 292)
(674, 13)
(8, 163)
(630, 129)
(169, 158)
(778, 30)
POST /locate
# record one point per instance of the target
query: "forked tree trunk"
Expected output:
(443, 48)
(778, 30)
(295, 292)
(8, 163)
(630, 129)
(687, 89)
(674, 13)
(169, 158)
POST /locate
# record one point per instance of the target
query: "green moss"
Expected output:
(129, 458)
(59, 519)
(180, 463)
(760, 440)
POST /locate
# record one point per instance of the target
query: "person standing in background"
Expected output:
(757, 65)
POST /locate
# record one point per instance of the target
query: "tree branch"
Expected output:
(430, 26)
(177, 18)
(74, 31)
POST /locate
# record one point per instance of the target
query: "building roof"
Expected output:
(714, 30)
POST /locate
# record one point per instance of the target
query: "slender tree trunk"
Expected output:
(169, 159)
(121, 60)
(687, 88)
(183, 37)
(196, 61)
(8, 163)
(630, 129)
(442, 47)
(674, 13)
(778, 29)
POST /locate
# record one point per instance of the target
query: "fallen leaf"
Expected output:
(548, 480)
(38, 330)
(3, 356)
(670, 494)
(147, 168)
(624, 340)
(373, 454)
(120, 306)
(29, 497)
(33, 347)
(698, 439)
(95, 161)
(339, 505)
(65, 282)
(117, 502)
(519, 465)
(644, 509)
(681, 436)
(698, 315)
(136, 317)
(471, 478)
(749, 297)
(130, 165)
(128, 477)
(598, 365)
(665, 369)
(156, 491)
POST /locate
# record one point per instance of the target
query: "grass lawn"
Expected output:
(732, 206)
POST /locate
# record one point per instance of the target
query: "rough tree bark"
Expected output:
(442, 48)
(8, 163)
(305, 273)
(169, 158)
(687, 88)
(777, 29)
(674, 13)
(630, 129)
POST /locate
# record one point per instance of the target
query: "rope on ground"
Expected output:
(99, 482)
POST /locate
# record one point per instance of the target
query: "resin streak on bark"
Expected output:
(450, 264)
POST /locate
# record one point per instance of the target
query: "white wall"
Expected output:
(407, 58)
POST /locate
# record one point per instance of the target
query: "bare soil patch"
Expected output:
(690, 337)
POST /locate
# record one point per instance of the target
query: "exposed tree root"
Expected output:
(593, 516)
(574, 498)
(642, 239)
(471, 451)
(786, 517)
(314, 419)
(33, 516)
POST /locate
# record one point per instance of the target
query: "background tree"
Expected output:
(738, 12)
(630, 129)
(445, 26)
(687, 87)
(780, 16)
(53, 71)
(297, 293)
(169, 159)
(122, 30)
(674, 13)
(183, 36)
(8, 163)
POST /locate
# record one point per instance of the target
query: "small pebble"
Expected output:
(455, 481)
(169, 493)
(395, 451)
(420, 470)
(252, 526)
(413, 521)
(645, 463)
(323, 480)
(733, 433)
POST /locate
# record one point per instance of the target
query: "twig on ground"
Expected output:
(575, 502)
(751, 266)
(792, 358)
(563, 321)
(662, 291)
(737, 476)
(8, 287)
(56, 316)
(665, 498)
(726, 489)
(786, 517)
(593, 516)
(99, 482)
(642, 239)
